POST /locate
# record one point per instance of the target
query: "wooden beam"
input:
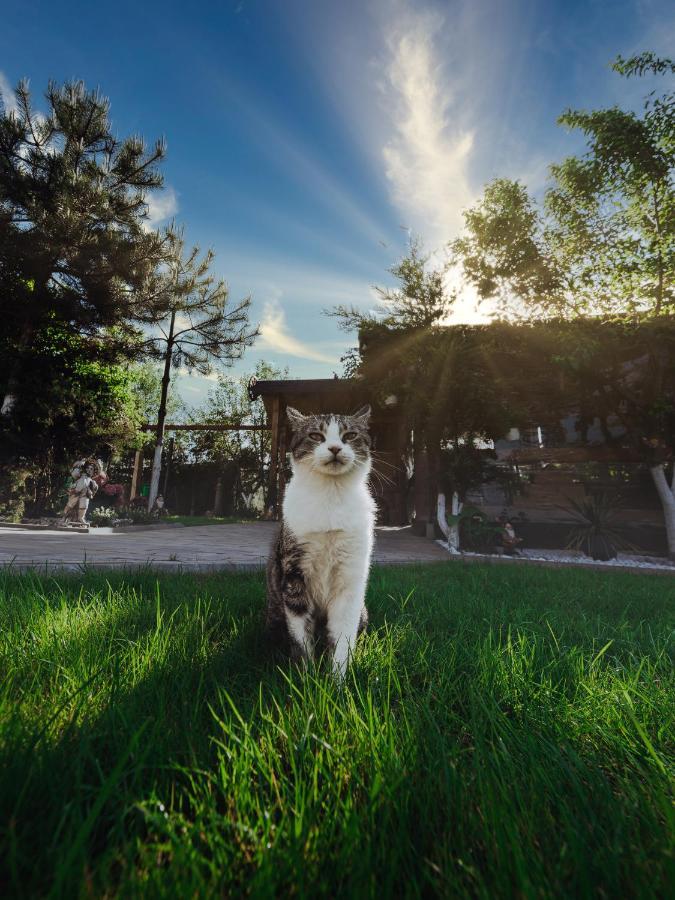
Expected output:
(207, 427)
(282, 455)
(272, 496)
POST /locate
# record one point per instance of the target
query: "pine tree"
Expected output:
(200, 328)
(73, 247)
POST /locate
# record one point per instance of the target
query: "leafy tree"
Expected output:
(78, 278)
(247, 451)
(200, 328)
(421, 300)
(146, 387)
(604, 242)
(72, 243)
(506, 254)
(75, 399)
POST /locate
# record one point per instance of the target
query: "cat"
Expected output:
(318, 568)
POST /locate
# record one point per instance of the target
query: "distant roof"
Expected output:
(299, 386)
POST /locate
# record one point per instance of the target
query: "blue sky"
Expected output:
(305, 137)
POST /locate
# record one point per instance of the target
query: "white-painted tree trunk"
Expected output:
(451, 532)
(666, 494)
(8, 404)
(440, 515)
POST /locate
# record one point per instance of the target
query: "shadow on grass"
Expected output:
(468, 758)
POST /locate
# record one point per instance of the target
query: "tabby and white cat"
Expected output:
(318, 568)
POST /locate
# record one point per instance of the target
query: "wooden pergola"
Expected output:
(319, 395)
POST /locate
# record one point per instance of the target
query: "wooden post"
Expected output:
(272, 504)
(138, 468)
(282, 456)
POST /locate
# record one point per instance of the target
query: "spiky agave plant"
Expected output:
(597, 534)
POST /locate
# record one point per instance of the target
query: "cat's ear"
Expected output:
(362, 416)
(296, 419)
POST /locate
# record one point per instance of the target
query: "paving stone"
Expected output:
(208, 547)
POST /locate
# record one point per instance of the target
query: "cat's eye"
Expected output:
(316, 435)
(349, 435)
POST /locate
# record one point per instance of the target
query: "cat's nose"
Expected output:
(335, 450)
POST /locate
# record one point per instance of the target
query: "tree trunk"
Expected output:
(666, 494)
(451, 532)
(161, 417)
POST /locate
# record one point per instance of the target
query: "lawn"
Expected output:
(503, 732)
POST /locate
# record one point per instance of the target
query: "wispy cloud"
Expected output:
(162, 205)
(7, 94)
(274, 336)
(298, 161)
(428, 154)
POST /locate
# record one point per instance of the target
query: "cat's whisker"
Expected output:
(383, 462)
(383, 479)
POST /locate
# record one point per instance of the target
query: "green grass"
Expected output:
(207, 520)
(503, 732)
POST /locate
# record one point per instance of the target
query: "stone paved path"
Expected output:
(206, 547)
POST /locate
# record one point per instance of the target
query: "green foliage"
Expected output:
(103, 515)
(72, 204)
(476, 532)
(501, 732)
(198, 521)
(75, 400)
(452, 384)
(463, 467)
(199, 327)
(605, 240)
(146, 388)
(504, 252)
(247, 451)
(78, 276)
(421, 301)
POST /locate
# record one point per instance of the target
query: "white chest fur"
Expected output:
(332, 519)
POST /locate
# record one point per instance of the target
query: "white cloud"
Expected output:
(274, 336)
(162, 205)
(427, 156)
(7, 93)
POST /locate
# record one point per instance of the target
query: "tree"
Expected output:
(603, 245)
(199, 330)
(421, 300)
(73, 248)
(604, 242)
(248, 451)
(505, 254)
(75, 400)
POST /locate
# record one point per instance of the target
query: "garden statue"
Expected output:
(510, 540)
(87, 475)
(159, 509)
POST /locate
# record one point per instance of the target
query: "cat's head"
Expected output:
(331, 444)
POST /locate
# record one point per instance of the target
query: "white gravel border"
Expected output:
(572, 558)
